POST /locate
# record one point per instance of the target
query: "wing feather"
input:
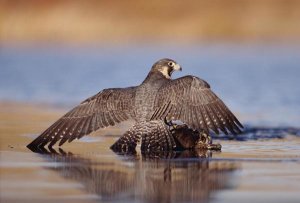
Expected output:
(194, 103)
(218, 118)
(104, 109)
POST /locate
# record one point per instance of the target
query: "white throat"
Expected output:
(164, 71)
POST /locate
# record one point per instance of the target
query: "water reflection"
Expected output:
(164, 177)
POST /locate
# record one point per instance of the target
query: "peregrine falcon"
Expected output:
(156, 106)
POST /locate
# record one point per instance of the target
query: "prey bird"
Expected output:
(156, 106)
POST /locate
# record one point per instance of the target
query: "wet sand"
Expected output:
(255, 170)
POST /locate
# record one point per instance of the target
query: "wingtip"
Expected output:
(36, 148)
(32, 145)
(239, 124)
(237, 131)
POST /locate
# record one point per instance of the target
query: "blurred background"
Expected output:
(127, 22)
(59, 52)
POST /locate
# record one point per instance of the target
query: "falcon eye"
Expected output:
(171, 64)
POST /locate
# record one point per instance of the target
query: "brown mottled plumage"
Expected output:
(188, 99)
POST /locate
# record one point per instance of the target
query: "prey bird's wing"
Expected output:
(191, 100)
(104, 109)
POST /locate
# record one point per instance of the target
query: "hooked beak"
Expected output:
(177, 67)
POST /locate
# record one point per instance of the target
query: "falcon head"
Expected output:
(166, 67)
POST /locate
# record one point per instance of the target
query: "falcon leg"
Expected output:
(169, 123)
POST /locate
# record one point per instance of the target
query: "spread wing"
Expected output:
(104, 109)
(191, 100)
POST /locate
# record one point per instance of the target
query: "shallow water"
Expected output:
(244, 171)
(259, 83)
